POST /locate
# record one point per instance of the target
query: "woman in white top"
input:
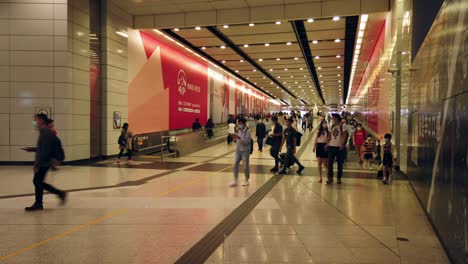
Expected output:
(319, 147)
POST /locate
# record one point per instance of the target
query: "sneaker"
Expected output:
(329, 182)
(63, 198)
(274, 169)
(233, 183)
(34, 207)
(299, 171)
(245, 183)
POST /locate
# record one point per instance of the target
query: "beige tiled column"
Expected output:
(114, 73)
(44, 62)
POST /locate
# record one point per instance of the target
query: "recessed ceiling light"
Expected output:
(310, 20)
(336, 18)
(237, 70)
(267, 44)
(271, 70)
(301, 69)
(321, 81)
(317, 57)
(315, 41)
(176, 29)
(246, 45)
(241, 60)
(197, 28)
(320, 75)
(339, 75)
(248, 78)
(254, 70)
(222, 46)
(338, 56)
(337, 40)
(305, 75)
(288, 43)
(225, 26)
(278, 59)
(203, 48)
(272, 83)
(264, 77)
(339, 67)
(251, 24)
(278, 22)
(223, 61)
(260, 59)
(319, 68)
(295, 82)
(296, 58)
(285, 69)
(339, 81)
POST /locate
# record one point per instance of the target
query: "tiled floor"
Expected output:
(153, 213)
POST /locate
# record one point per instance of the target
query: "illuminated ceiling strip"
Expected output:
(357, 52)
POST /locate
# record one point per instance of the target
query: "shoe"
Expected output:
(118, 161)
(233, 183)
(274, 169)
(320, 181)
(63, 198)
(245, 183)
(299, 171)
(339, 181)
(282, 172)
(329, 182)
(385, 181)
(34, 207)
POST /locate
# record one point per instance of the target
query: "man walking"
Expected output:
(44, 151)
(290, 137)
(243, 141)
(276, 136)
(260, 133)
(335, 145)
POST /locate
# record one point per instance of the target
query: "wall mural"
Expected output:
(438, 162)
(169, 89)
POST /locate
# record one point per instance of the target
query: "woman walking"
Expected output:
(319, 148)
(125, 143)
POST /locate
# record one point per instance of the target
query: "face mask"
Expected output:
(241, 126)
(34, 124)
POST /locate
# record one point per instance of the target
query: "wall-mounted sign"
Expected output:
(117, 120)
(47, 110)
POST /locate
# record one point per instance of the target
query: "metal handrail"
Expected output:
(163, 144)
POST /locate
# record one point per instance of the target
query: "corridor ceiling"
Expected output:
(301, 61)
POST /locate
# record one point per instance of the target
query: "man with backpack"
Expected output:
(244, 147)
(48, 148)
(290, 136)
(335, 144)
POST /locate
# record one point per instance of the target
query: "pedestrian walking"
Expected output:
(243, 141)
(125, 142)
(276, 138)
(335, 146)
(319, 147)
(389, 157)
(47, 148)
(290, 138)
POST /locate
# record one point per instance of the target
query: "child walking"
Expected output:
(369, 148)
(389, 156)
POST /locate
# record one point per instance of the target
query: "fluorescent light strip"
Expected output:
(357, 50)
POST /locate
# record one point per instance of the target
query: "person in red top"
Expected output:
(358, 140)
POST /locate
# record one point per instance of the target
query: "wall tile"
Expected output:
(63, 122)
(5, 131)
(32, 58)
(31, 89)
(60, 28)
(17, 154)
(4, 73)
(4, 42)
(4, 57)
(81, 48)
(63, 58)
(62, 43)
(23, 137)
(81, 18)
(28, 105)
(63, 106)
(81, 92)
(32, 27)
(81, 107)
(79, 152)
(4, 153)
(4, 10)
(80, 122)
(63, 90)
(4, 105)
(4, 89)
(21, 121)
(31, 73)
(62, 74)
(4, 26)
(81, 77)
(31, 11)
(60, 11)
(37, 43)
(81, 62)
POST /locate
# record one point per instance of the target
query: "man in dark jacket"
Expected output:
(276, 136)
(290, 138)
(260, 133)
(44, 151)
(196, 126)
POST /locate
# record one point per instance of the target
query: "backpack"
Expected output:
(298, 138)
(122, 141)
(57, 150)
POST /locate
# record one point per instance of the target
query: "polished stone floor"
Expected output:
(154, 212)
